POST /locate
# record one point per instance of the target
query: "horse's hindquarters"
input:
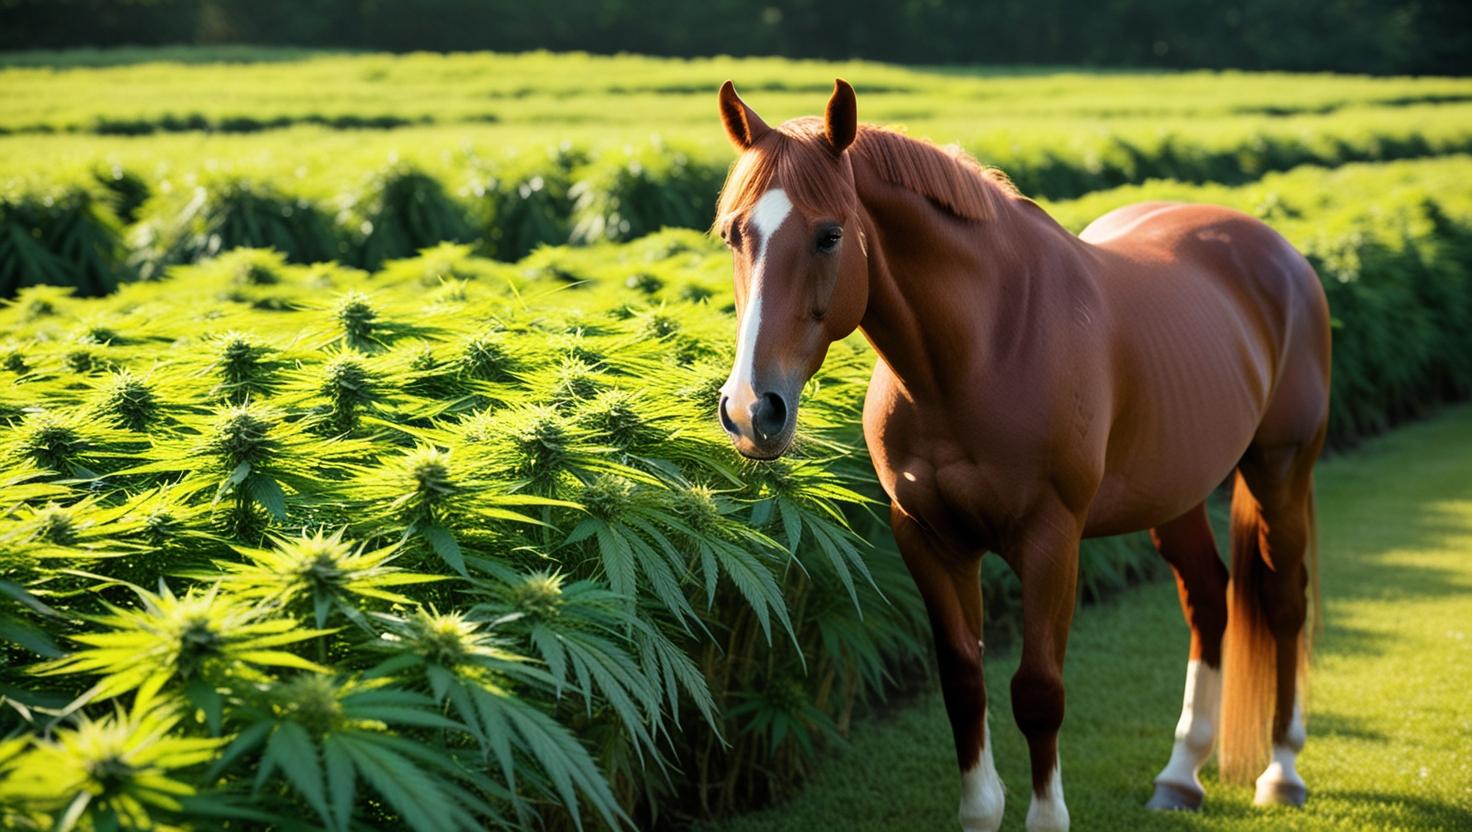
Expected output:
(1221, 335)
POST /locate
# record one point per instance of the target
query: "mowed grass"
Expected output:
(1390, 706)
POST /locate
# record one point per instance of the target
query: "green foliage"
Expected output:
(322, 574)
(221, 214)
(384, 561)
(457, 543)
(510, 208)
(63, 236)
(529, 555)
(624, 97)
(399, 211)
(122, 771)
(570, 155)
(523, 203)
(201, 641)
(126, 191)
(624, 196)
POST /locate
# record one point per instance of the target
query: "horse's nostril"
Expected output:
(769, 416)
(726, 417)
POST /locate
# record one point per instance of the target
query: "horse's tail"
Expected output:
(1249, 650)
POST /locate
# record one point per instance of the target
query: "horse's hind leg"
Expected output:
(1187, 545)
(950, 583)
(1272, 528)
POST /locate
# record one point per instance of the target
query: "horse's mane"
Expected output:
(796, 154)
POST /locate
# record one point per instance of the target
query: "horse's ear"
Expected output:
(841, 123)
(743, 125)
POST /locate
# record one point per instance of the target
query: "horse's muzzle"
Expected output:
(760, 426)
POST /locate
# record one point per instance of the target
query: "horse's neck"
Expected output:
(946, 294)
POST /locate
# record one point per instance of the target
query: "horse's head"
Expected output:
(789, 214)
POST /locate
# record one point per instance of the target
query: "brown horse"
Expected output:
(1034, 388)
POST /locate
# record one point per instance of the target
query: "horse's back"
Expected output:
(1122, 220)
(1223, 267)
(1221, 333)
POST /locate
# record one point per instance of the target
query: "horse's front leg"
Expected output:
(1044, 553)
(949, 580)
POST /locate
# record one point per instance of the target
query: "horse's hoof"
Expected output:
(1175, 797)
(1280, 793)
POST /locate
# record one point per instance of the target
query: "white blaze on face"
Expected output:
(981, 789)
(766, 218)
(1196, 730)
(1048, 812)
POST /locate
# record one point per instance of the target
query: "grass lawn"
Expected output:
(1390, 705)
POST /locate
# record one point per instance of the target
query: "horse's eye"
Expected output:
(829, 238)
(732, 236)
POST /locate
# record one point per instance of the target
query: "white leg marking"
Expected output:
(1196, 730)
(768, 215)
(1283, 770)
(1048, 812)
(981, 789)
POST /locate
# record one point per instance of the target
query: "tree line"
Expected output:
(1369, 36)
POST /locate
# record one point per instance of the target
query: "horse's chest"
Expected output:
(953, 498)
(934, 480)
(965, 470)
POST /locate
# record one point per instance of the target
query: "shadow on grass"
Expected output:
(1408, 811)
(1343, 725)
(1348, 640)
